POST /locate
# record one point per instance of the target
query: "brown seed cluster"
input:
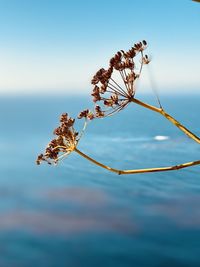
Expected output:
(87, 114)
(64, 143)
(111, 94)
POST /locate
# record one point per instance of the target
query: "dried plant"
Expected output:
(108, 91)
(112, 95)
(65, 142)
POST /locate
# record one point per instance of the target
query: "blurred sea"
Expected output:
(77, 214)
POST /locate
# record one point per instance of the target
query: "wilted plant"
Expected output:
(65, 142)
(114, 92)
(112, 95)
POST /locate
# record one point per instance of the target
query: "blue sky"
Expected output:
(57, 45)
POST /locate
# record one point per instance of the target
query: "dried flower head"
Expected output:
(65, 142)
(114, 95)
(110, 93)
(87, 114)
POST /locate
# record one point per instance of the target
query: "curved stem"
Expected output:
(168, 117)
(160, 169)
(95, 162)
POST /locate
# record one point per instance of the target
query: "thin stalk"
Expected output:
(160, 169)
(116, 90)
(124, 80)
(168, 117)
(118, 85)
(95, 162)
(119, 108)
(83, 130)
(142, 63)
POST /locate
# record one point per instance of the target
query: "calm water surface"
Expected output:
(77, 214)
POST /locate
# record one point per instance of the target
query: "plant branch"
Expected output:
(168, 117)
(160, 169)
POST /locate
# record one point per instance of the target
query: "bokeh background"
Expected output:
(50, 46)
(76, 214)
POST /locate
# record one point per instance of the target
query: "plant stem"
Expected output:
(168, 117)
(95, 162)
(160, 169)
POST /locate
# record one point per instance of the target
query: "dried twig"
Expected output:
(112, 97)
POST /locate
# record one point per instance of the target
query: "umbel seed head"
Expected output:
(65, 142)
(111, 94)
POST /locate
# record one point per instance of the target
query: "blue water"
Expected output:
(77, 214)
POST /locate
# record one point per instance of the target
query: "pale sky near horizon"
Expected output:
(51, 46)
